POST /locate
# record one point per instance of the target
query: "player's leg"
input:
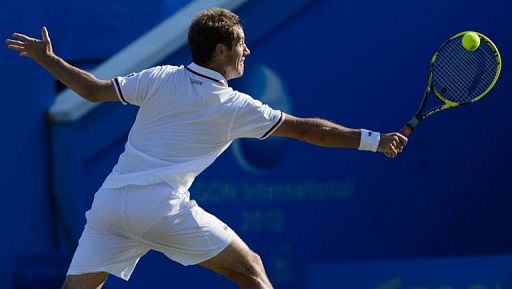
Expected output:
(240, 264)
(105, 246)
(191, 236)
(85, 281)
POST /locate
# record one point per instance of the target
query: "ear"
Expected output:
(220, 49)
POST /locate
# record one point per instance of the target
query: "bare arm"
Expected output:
(325, 133)
(80, 81)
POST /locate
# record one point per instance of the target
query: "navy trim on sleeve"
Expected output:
(274, 127)
(120, 92)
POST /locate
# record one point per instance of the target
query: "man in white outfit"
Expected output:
(188, 115)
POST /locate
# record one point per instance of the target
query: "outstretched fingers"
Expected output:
(23, 37)
(16, 48)
(44, 34)
(14, 42)
(37, 49)
(16, 45)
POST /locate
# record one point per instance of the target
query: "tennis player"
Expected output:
(188, 115)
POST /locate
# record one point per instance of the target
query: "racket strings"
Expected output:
(462, 70)
(459, 75)
(466, 64)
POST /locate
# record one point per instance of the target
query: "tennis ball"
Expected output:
(471, 41)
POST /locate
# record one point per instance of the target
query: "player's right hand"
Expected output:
(38, 49)
(391, 144)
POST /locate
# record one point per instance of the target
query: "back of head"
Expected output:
(210, 27)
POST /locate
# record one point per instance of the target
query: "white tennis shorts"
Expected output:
(125, 223)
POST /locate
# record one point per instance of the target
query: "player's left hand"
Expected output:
(391, 144)
(39, 50)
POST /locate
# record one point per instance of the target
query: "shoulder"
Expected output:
(242, 98)
(159, 70)
(165, 70)
(158, 74)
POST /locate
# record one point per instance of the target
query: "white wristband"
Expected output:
(369, 140)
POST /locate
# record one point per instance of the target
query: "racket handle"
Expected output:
(409, 127)
(406, 130)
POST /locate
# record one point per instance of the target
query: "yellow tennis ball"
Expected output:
(471, 41)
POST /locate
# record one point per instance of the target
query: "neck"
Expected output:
(217, 67)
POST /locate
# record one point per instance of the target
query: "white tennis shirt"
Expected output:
(187, 117)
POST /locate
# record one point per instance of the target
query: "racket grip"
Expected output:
(406, 130)
(409, 127)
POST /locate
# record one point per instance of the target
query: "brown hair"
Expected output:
(211, 27)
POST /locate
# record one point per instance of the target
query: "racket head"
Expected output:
(459, 76)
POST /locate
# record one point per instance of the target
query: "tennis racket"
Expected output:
(457, 77)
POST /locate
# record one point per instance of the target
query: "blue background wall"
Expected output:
(360, 64)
